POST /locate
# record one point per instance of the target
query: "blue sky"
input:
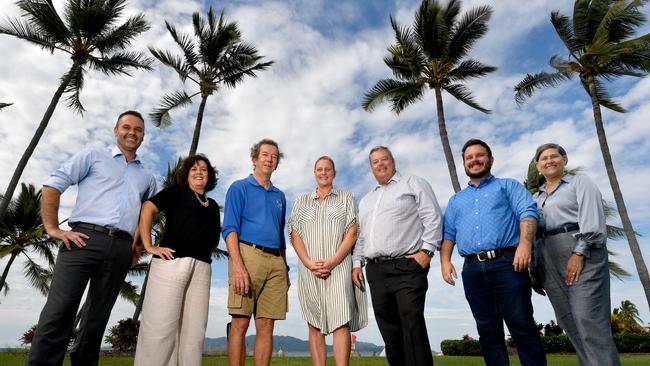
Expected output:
(327, 53)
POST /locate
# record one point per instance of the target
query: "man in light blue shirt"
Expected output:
(253, 228)
(112, 184)
(493, 223)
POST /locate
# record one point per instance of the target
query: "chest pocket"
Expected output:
(335, 213)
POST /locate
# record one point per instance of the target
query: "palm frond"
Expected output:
(620, 21)
(181, 67)
(581, 22)
(219, 254)
(42, 16)
(603, 96)
(471, 27)
(430, 31)
(463, 94)
(615, 269)
(129, 292)
(6, 249)
(4, 105)
(160, 116)
(73, 89)
(140, 269)
(564, 30)
(400, 93)
(527, 86)
(184, 41)
(468, 69)
(27, 32)
(37, 276)
(120, 63)
(120, 37)
(88, 19)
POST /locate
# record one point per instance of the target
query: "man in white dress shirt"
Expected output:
(400, 229)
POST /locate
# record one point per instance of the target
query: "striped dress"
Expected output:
(333, 302)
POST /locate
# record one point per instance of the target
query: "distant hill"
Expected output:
(286, 343)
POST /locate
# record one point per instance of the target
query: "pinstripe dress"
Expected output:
(329, 303)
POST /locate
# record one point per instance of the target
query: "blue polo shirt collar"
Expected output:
(251, 180)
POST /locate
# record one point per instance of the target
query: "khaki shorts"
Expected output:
(267, 297)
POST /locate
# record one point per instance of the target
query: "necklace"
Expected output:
(205, 203)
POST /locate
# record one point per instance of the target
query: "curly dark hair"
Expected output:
(184, 171)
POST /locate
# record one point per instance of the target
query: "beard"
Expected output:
(481, 174)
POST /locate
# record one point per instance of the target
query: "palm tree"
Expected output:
(601, 47)
(217, 56)
(4, 105)
(89, 34)
(21, 233)
(432, 54)
(628, 316)
(535, 179)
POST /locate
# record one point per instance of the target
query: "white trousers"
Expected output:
(174, 313)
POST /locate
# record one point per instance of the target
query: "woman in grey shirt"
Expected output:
(323, 229)
(572, 257)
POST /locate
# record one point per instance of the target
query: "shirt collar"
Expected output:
(115, 151)
(483, 181)
(314, 193)
(254, 182)
(395, 178)
(565, 179)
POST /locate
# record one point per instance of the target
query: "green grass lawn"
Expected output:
(18, 359)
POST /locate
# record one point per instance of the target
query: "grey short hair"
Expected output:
(378, 148)
(550, 145)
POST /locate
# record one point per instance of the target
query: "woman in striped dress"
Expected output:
(323, 229)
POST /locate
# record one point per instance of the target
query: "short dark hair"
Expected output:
(255, 149)
(184, 171)
(378, 148)
(472, 142)
(325, 157)
(128, 113)
(547, 146)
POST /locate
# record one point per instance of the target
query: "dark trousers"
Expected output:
(398, 289)
(495, 293)
(104, 262)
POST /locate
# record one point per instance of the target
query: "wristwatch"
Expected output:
(427, 252)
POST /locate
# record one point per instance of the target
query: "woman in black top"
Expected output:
(175, 310)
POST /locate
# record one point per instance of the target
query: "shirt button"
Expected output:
(476, 200)
(477, 227)
(476, 212)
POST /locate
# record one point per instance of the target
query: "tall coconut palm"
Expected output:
(89, 33)
(432, 53)
(22, 234)
(215, 57)
(601, 47)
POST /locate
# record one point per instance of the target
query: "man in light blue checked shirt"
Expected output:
(112, 184)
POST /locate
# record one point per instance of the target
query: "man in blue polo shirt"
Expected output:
(493, 223)
(253, 228)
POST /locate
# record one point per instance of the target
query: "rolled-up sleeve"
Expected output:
(71, 171)
(522, 201)
(449, 225)
(232, 212)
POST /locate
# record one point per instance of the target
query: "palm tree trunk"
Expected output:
(4, 200)
(197, 127)
(618, 195)
(6, 271)
(449, 156)
(138, 306)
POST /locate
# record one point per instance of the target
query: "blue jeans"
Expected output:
(495, 293)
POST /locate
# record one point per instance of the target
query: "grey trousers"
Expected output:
(104, 262)
(582, 309)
